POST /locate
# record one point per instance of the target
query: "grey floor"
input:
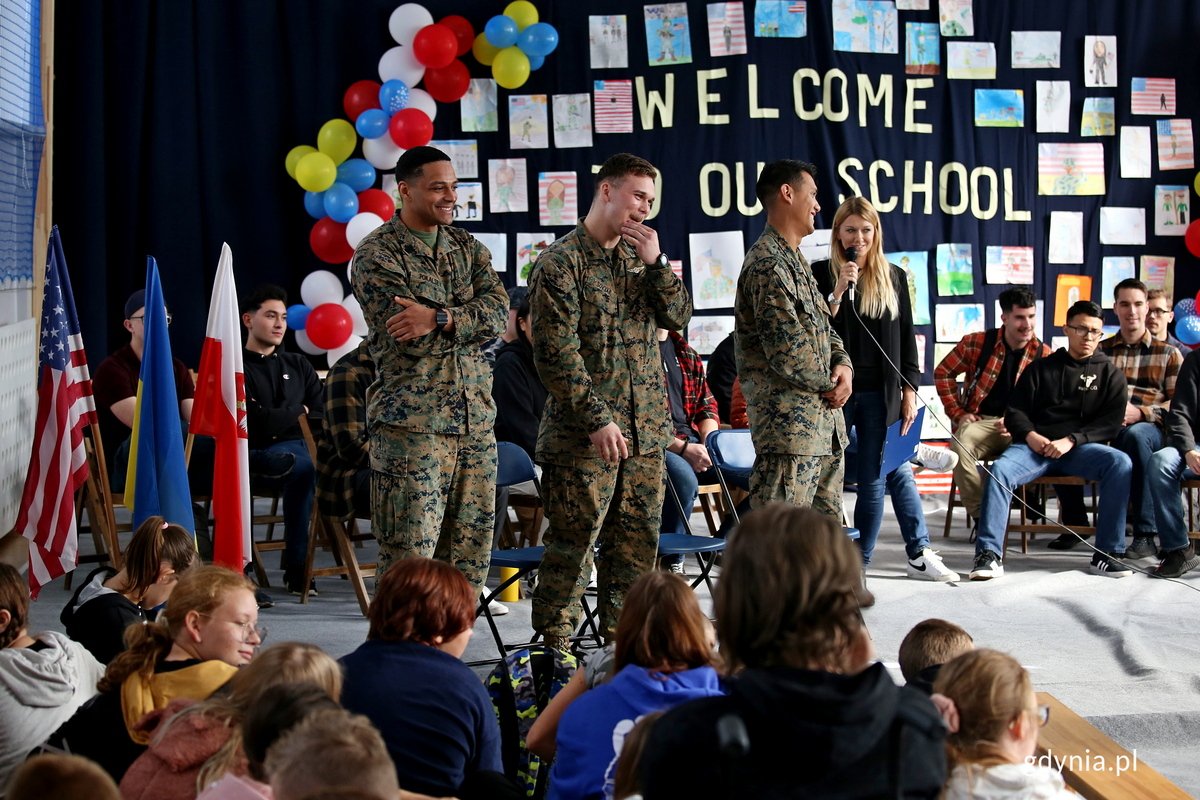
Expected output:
(1123, 653)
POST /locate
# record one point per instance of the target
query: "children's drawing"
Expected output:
(726, 29)
(1099, 61)
(954, 273)
(781, 19)
(572, 120)
(1099, 117)
(1175, 150)
(668, 40)
(972, 61)
(1036, 49)
(558, 198)
(999, 108)
(479, 107)
(608, 41)
(865, 26)
(922, 54)
(528, 127)
(1070, 168)
(508, 185)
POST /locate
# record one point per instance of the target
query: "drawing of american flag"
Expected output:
(58, 463)
(1085, 159)
(613, 102)
(1175, 149)
(721, 16)
(797, 8)
(1152, 96)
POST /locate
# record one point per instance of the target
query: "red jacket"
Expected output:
(169, 767)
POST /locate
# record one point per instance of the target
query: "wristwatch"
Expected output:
(831, 300)
(440, 318)
(661, 262)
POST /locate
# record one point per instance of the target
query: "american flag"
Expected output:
(58, 463)
(613, 102)
(1175, 148)
(1152, 96)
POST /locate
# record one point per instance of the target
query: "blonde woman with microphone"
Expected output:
(869, 302)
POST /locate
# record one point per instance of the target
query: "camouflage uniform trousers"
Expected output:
(617, 505)
(434, 495)
(814, 481)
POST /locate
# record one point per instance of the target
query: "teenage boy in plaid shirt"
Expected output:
(1151, 369)
(693, 412)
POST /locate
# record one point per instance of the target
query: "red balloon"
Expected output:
(463, 32)
(359, 97)
(435, 46)
(328, 241)
(329, 326)
(1191, 238)
(411, 127)
(448, 84)
(378, 202)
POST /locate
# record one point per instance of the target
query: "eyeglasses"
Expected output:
(247, 627)
(1086, 332)
(142, 317)
(1157, 312)
(1043, 715)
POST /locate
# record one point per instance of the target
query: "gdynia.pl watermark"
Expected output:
(1087, 761)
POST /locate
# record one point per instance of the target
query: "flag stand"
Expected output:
(96, 498)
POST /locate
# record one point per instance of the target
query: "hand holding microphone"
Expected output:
(851, 258)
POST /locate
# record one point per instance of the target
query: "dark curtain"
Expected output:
(173, 119)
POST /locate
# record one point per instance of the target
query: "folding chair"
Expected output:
(514, 467)
(732, 453)
(704, 548)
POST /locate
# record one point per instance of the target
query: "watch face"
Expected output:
(662, 262)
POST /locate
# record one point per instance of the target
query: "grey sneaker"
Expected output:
(1142, 547)
(1177, 562)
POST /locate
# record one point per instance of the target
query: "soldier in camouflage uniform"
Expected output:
(598, 294)
(794, 370)
(430, 297)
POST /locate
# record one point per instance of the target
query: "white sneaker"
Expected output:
(938, 459)
(928, 566)
(497, 608)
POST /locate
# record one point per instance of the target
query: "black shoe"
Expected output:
(1110, 565)
(1064, 541)
(1177, 562)
(295, 586)
(988, 565)
(1142, 547)
(263, 599)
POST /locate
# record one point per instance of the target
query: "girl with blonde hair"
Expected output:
(876, 327)
(992, 717)
(200, 742)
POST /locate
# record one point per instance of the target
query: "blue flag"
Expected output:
(157, 482)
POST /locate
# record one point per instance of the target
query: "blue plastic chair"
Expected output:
(732, 453)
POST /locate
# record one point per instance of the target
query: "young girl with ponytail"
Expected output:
(109, 600)
(993, 718)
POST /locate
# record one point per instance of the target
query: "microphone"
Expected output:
(851, 255)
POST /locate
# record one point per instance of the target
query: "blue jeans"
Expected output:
(1166, 469)
(1140, 441)
(1019, 465)
(297, 505)
(867, 413)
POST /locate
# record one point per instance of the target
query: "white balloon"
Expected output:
(306, 344)
(382, 152)
(400, 64)
(337, 352)
(321, 287)
(406, 20)
(419, 98)
(359, 226)
(356, 315)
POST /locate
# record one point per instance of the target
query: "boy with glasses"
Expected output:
(1159, 316)
(1060, 411)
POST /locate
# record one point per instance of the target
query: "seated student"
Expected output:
(1061, 410)
(109, 601)
(518, 391)
(331, 750)
(276, 711)
(280, 386)
(44, 678)
(343, 450)
(208, 630)
(722, 374)
(664, 656)
(410, 681)
(1178, 461)
(1159, 316)
(816, 716)
(993, 717)
(929, 645)
(63, 777)
(195, 744)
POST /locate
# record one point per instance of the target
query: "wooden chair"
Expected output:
(1190, 490)
(339, 536)
(97, 499)
(1026, 525)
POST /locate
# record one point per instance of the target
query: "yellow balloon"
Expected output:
(522, 12)
(316, 172)
(1197, 183)
(485, 52)
(337, 139)
(293, 158)
(511, 68)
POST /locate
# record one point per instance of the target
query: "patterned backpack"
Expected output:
(520, 687)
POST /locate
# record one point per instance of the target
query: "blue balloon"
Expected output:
(1185, 308)
(341, 202)
(357, 173)
(1187, 330)
(539, 39)
(536, 62)
(314, 204)
(372, 123)
(393, 96)
(297, 315)
(501, 31)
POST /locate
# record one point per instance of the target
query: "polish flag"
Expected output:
(219, 411)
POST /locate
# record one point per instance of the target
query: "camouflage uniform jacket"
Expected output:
(786, 349)
(594, 345)
(438, 383)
